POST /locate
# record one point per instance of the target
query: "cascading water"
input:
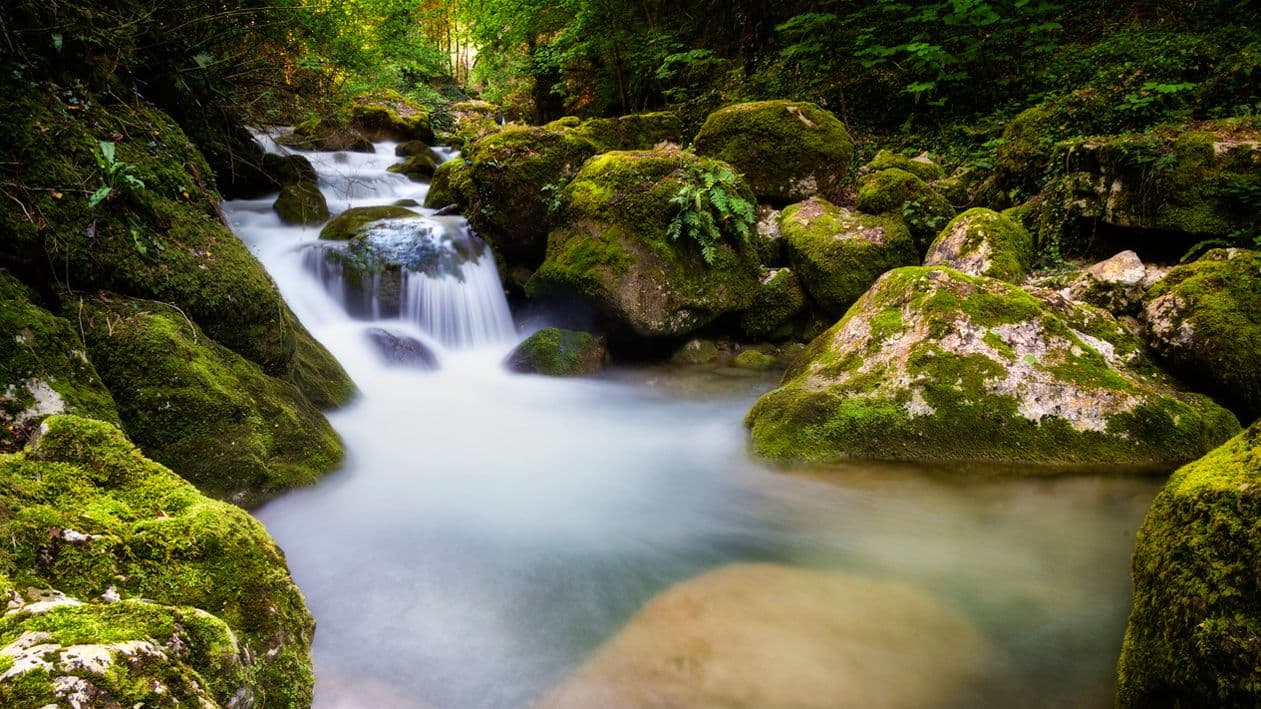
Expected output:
(489, 530)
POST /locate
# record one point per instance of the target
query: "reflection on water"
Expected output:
(489, 531)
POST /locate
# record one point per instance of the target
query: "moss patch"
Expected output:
(982, 242)
(301, 203)
(559, 353)
(901, 194)
(353, 221)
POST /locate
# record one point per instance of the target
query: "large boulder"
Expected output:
(301, 203)
(44, 368)
(125, 586)
(559, 353)
(201, 409)
(751, 635)
(165, 242)
(786, 150)
(471, 121)
(1204, 320)
(452, 183)
(640, 131)
(612, 245)
(931, 364)
(837, 254)
(388, 115)
(922, 166)
(901, 194)
(1192, 639)
(329, 134)
(518, 174)
(982, 242)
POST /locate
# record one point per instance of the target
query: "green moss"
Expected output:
(1192, 634)
(452, 184)
(610, 247)
(641, 131)
(419, 167)
(149, 535)
(301, 203)
(924, 169)
(932, 364)
(559, 353)
(753, 360)
(201, 409)
(41, 354)
(777, 302)
(348, 224)
(902, 194)
(982, 242)
(388, 115)
(786, 150)
(837, 254)
(1023, 157)
(1218, 299)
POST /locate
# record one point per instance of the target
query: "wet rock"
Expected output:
(931, 364)
(982, 242)
(354, 220)
(388, 115)
(697, 351)
(763, 635)
(753, 359)
(786, 150)
(1192, 634)
(412, 147)
(452, 184)
(559, 353)
(288, 169)
(768, 238)
(402, 351)
(302, 204)
(417, 167)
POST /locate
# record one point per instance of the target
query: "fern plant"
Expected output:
(708, 202)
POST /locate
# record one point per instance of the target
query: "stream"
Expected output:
(489, 530)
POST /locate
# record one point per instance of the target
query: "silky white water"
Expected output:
(489, 530)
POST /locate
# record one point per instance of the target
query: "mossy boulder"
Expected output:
(559, 353)
(472, 120)
(419, 167)
(754, 360)
(166, 242)
(982, 242)
(517, 174)
(640, 131)
(768, 238)
(697, 351)
(173, 596)
(388, 115)
(201, 409)
(452, 183)
(301, 203)
(611, 248)
(778, 302)
(328, 134)
(1023, 156)
(354, 221)
(932, 364)
(766, 635)
(44, 368)
(901, 194)
(1192, 636)
(288, 169)
(921, 166)
(1204, 321)
(837, 254)
(786, 150)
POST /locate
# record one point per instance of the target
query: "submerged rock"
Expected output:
(901, 194)
(301, 203)
(1192, 639)
(982, 242)
(611, 247)
(44, 368)
(837, 254)
(786, 150)
(752, 635)
(199, 603)
(355, 220)
(402, 351)
(559, 353)
(1204, 320)
(200, 408)
(931, 364)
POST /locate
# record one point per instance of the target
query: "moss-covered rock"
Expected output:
(1192, 639)
(89, 516)
(837, 254)
(697, 351)
(768, 238)
(288, 169)
(419, 167)
(388, 115)
(931, 364)
(611, 247)
(778, 301)
(452, 184)
(899, 193)
(1118, 284)
(201, 409)
(640, 131)
(921, 166)
(1023, 157)
(329, 134)
(166, 242)
(412, 147)
(472, 120)
(44, 368)
(754, 360)
(301, 203)
(982, 242)
(354, 221)
(1204, 320)
(517, 174)
(787, 150)
(559, 353)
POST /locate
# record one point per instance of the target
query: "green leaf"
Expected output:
(100, 195)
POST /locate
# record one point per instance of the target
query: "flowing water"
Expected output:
(488, 531)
